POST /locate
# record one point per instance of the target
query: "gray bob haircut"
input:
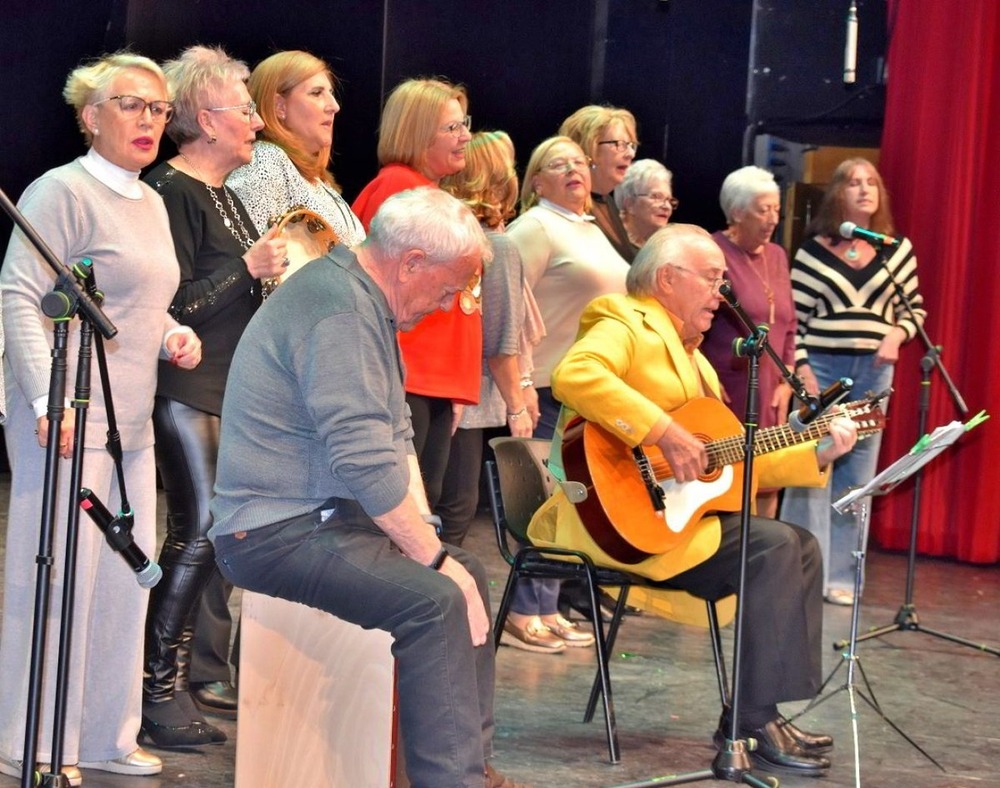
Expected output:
(743, 185)
(637, 179)
(667, 246)
(431, 220)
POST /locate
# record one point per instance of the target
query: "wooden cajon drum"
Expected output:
(317, 700)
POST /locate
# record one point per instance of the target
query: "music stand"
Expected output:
(858, 500)
(906, 618)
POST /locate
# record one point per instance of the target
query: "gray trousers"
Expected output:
(348, 567)
(783, 604)
(104, 693)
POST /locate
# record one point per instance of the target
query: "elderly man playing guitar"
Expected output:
(637, 378)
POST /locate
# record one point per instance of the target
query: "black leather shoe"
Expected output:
(810, 742)
(216, 697)
(166, 725)
(777, 750)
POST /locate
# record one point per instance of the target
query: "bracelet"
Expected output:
(527, 383)
(521, 412)
(438, 559)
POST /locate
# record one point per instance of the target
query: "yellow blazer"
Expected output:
(627, 369)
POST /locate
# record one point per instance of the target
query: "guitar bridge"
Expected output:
(656, 494)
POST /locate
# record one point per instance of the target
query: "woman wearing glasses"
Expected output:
(422, 137)
(222, 263)
(758, 270)
(646, 198)
(607, 136)
(94, 207)
(568, 262)
(294, 92)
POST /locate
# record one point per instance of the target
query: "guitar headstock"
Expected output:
(867, 413)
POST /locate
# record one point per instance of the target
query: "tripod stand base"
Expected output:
(907, 620)
(732, 764)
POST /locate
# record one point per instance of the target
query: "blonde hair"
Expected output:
(90, 82)
(488, 183)
(411, 117)
(194, 77)
(588, 123)
(830, 213)
(539, 157)
(276, 76)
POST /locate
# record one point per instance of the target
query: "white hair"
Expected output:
(669, 245)
(637, 179)
(743, 185)
(428, 219)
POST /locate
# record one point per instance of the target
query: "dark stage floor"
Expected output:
(946, 697)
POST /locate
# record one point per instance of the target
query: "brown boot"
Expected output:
(493, 779)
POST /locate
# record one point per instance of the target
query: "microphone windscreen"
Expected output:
(847, 230)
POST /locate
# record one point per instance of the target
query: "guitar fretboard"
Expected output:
(728, 451)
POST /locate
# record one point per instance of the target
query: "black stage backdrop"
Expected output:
(696, 73)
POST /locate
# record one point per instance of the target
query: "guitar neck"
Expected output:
(729, 451)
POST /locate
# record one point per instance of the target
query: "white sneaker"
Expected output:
(137, 763)
(12, 768)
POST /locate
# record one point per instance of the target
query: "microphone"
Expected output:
(851, 46)
(850, 230)
(800, 419)
(148, 573)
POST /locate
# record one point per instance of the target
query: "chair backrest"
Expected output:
(525, 482)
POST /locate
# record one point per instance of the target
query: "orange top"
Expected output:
(443, 353)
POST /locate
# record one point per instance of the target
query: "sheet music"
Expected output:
(925, 450)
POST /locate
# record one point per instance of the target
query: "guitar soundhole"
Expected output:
(714, 470)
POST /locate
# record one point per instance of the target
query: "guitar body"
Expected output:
(619, 513)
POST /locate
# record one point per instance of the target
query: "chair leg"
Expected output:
(604, 676)
(616, 620)
(720, 662)
(504, 608)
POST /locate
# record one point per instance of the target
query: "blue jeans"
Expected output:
(347, 566)
(540, 596)
(812, 508)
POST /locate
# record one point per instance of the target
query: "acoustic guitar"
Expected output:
(634, 508)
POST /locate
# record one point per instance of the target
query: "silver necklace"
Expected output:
(242, 237)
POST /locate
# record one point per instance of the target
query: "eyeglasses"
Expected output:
(659, 198)
(455, 128)
(715, 281)
(133, 107)
(566, 165)
(248, 110)
(621, 145)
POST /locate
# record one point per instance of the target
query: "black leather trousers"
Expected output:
(187, 444)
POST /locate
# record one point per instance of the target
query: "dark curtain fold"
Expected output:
(941, 163)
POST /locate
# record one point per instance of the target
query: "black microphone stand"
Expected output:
(906, 617)
(67, 299)
(732, 762)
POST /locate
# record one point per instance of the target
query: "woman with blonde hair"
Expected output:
(511, 326)
(422, 138)
(94, 207)
(568, 262)
(607, 135)
(294, 96)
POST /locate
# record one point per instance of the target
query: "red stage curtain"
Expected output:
(941, 163)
